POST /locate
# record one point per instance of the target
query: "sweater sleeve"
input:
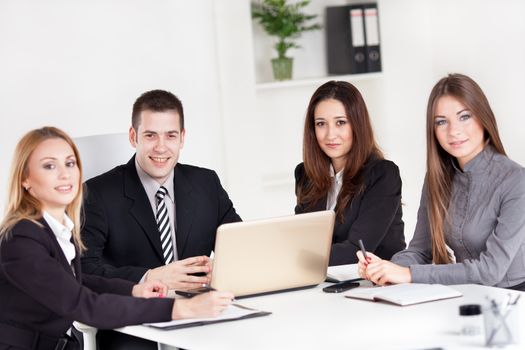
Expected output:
(503, 245)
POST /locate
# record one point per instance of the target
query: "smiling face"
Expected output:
(53, 176)
(457, 130)
(157, 142)
(333, 131)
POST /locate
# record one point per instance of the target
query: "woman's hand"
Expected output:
(177, 274)
(363, 263)
(381, 271)
(209, 304)
(150, 289)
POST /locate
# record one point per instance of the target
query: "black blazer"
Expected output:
(120, 230)
(40, 293)
(375, 215)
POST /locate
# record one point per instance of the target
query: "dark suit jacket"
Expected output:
(120, 230)
(40, 292)
(375, 215)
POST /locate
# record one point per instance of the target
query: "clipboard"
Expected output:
(234, 312)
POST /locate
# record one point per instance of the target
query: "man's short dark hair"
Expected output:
(156, 101)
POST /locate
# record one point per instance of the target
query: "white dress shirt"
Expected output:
(337, 183)
(63, 234)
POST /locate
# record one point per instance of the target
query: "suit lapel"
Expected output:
(141, 208)
(185, 208)
(62, 258)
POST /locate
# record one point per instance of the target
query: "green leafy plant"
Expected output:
(284, 21)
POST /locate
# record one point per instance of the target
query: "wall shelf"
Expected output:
(315, 81)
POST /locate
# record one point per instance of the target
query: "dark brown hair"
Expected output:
(440, 171)
(317, 163)
(157, 101)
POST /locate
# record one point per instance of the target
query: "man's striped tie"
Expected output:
(163, 223)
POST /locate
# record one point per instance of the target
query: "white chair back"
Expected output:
(100, 153)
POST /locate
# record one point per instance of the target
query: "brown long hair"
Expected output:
(440, 171)
(22, 205)
(317, 163)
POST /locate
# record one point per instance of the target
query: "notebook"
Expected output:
(270, 255)
(405, 293)
(342, 273)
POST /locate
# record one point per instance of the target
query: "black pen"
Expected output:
(363, 250)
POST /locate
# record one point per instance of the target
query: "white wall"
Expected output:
(80, 65)
(422, 40)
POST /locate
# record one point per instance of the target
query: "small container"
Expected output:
(502, 325)
(471, 319)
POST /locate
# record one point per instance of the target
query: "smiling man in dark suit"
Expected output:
(152, 218)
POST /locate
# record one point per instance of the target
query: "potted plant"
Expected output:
(286, 22)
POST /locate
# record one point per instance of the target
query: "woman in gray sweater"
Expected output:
(471, 220)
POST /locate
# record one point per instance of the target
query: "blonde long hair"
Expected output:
(440, 171)
(22, 205)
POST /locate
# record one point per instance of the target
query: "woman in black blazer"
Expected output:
(42, 288)
(344, 170)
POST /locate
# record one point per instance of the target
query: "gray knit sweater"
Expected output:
(486, 230)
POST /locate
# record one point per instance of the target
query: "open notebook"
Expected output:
(405, 293)
(342, 273)
(232, 313)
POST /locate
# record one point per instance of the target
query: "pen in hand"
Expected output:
(363, 250)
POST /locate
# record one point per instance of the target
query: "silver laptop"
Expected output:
(272, 255)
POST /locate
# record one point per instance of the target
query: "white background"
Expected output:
(79, 65)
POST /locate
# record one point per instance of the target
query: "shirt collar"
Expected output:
(479, 163)
(337, 176)
(57, 227)
(151, 186)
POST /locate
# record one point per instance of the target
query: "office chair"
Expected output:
(100, 153)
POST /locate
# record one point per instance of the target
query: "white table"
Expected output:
(312, 319)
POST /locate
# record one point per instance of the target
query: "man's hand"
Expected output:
(176, 275)
(150, 289)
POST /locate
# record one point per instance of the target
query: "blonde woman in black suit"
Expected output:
(42, 287)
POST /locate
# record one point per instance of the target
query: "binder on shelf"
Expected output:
(345, 37)
(373, 49)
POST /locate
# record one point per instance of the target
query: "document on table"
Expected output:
(405, 293)
(232, 313)
(341, 273)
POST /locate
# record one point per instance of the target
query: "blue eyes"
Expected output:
(443, 121)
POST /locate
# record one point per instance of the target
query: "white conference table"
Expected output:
(312, 319)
